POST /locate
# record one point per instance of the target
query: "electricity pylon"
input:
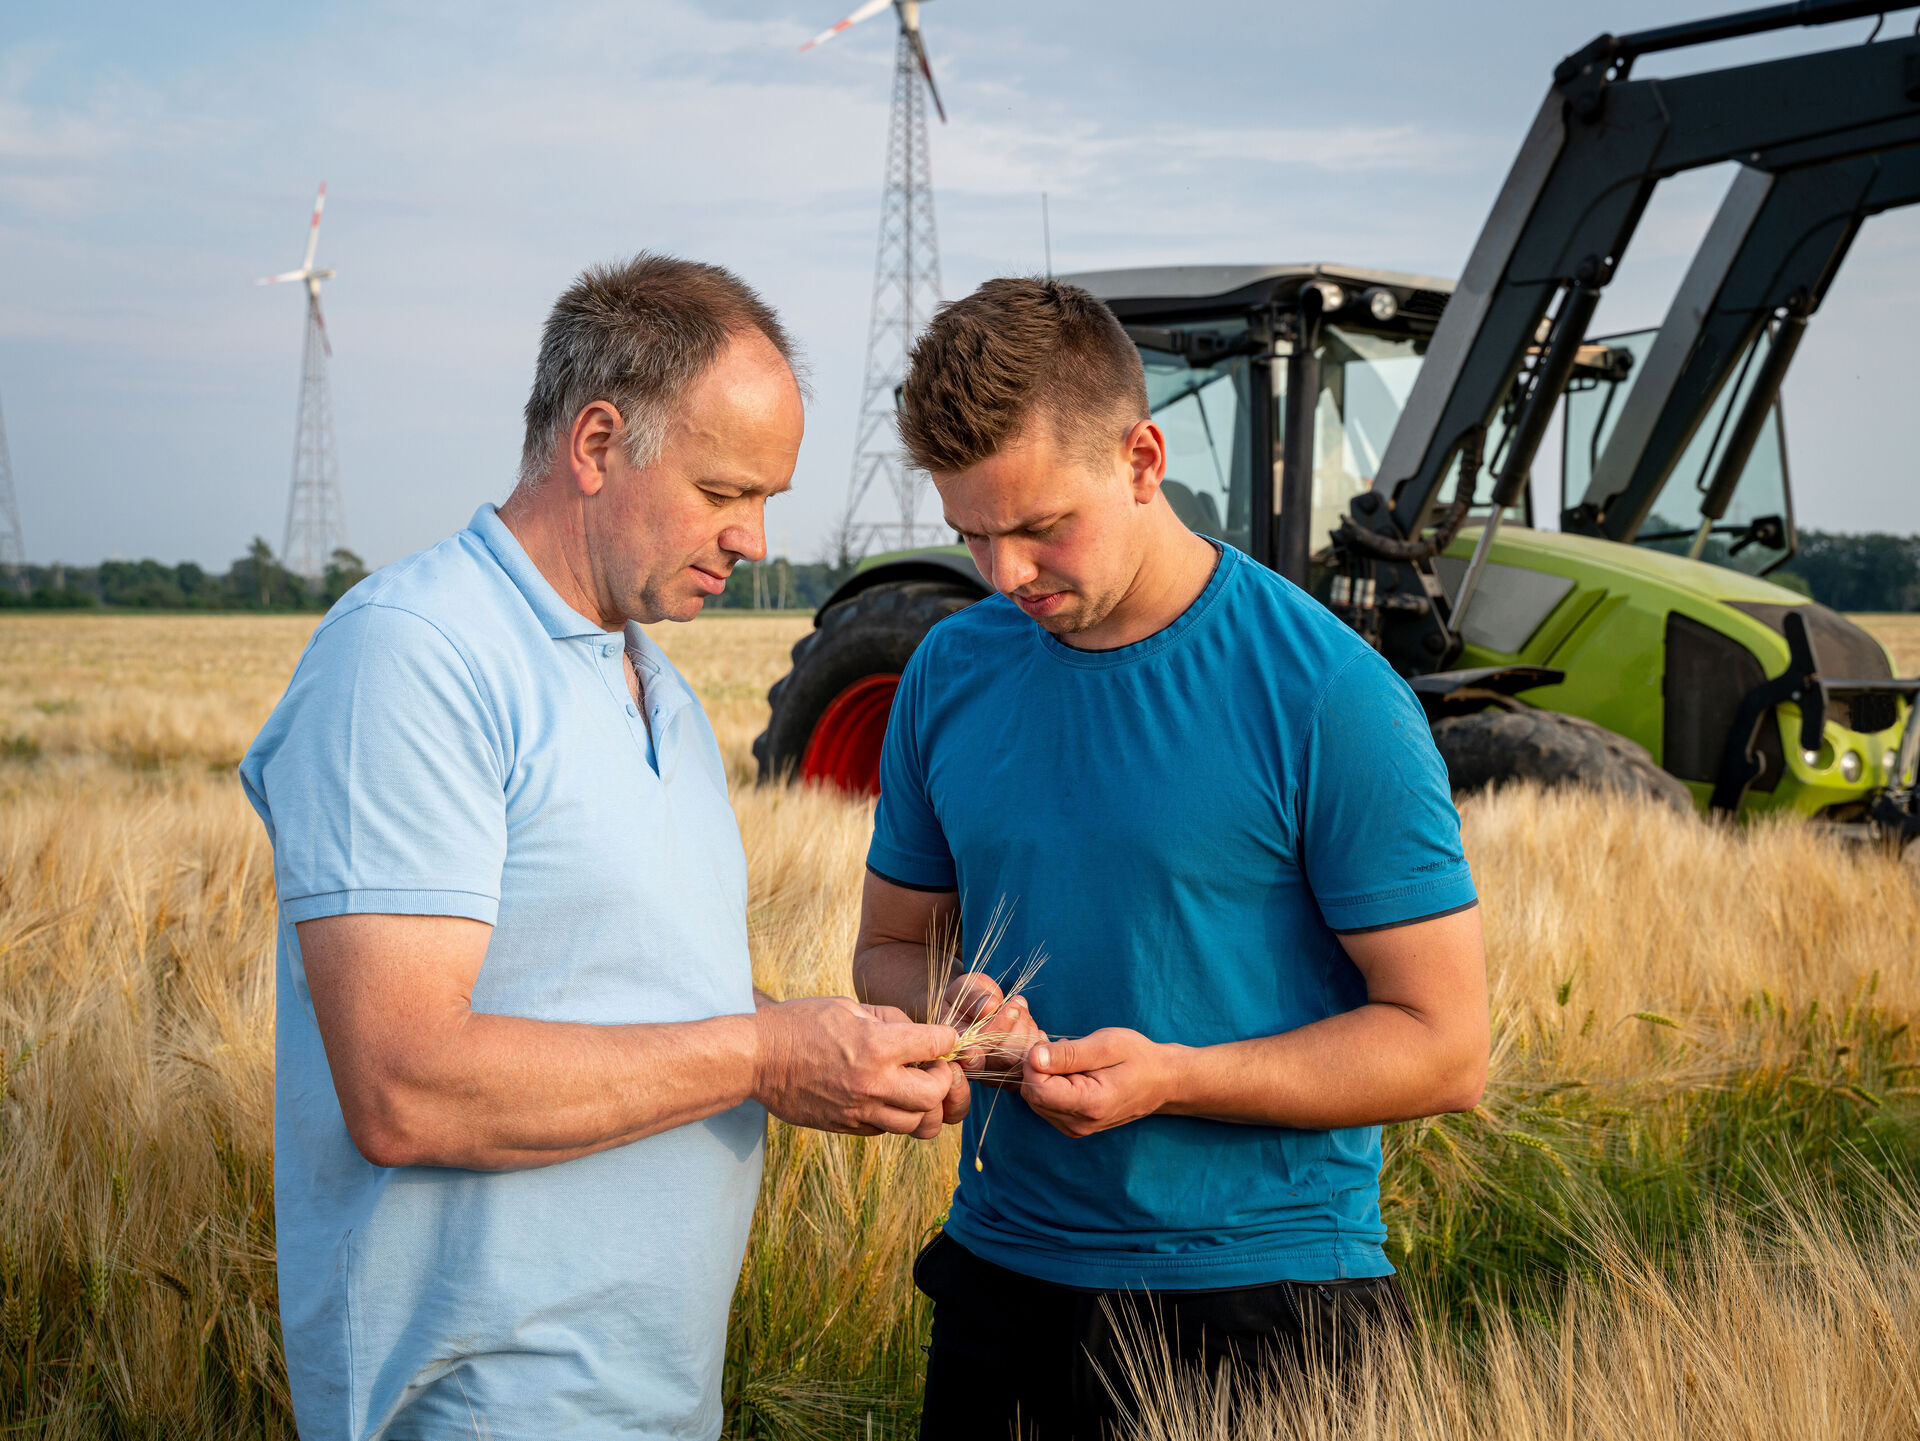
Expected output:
(316, 515)
(906, 288)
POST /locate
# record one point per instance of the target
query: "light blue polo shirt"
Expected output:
(458, 741)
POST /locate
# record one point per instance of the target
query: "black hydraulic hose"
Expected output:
(1387, 547)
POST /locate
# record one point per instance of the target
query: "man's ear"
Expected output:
(597, 429)
(1145, 452)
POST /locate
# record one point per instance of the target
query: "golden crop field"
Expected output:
(1687, 1206)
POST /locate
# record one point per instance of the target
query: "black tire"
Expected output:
(1492, 747)
(872, 633)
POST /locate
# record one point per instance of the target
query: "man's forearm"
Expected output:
(1376, 1064)
(497, 1093)
(900, 973)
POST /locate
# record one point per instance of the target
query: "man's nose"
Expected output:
(1011, 567)
(746, 538)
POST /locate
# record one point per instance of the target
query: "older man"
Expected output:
(521, 1065)
(1223, 818)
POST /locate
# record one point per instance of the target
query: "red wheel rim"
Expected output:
(844, 748)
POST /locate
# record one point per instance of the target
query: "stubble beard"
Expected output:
(1082, 614)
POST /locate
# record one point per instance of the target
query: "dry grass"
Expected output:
(1796, 1326)
(1671, 1000)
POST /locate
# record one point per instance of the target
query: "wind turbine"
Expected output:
(906, 287)
(316, 515)
(909, 12)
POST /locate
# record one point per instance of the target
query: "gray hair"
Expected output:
(637, 336)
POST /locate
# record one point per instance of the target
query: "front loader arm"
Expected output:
(1772, 251)
(1576, 192)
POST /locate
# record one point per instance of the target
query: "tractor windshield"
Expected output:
(1755, 535)
(1364, 383)
(1205, 412)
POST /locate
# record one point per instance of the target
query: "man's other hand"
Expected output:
(1008, 1031)
(836, 1065)
(1097, 1082)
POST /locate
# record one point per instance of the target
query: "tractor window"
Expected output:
(1364, 383)
(1755, 535)
(1204, 412)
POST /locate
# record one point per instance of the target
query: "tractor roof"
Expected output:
(1239, 284)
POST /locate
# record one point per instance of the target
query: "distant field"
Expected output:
(1687, 1018)
(1900, 634)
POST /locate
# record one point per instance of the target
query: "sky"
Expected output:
(154, 160)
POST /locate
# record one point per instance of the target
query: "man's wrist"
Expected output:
(1179, 1078)
(764, 1052)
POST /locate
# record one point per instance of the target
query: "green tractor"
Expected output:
(1371, 436)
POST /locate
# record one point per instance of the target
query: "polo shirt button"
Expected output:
(633, 711)
(610, 648)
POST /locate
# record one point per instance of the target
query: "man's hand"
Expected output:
(836, 1065)
(1008, 1033)
(1099, 1081)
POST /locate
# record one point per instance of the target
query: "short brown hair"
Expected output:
(637, 335)
(1013, 349)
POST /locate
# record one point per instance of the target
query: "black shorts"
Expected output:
(1012, 1356)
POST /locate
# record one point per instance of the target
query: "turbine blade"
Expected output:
(865, 12)
(313, 230)
(920, 54)
(276, 279)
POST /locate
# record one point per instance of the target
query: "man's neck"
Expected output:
(549, 531)
(1173, 573)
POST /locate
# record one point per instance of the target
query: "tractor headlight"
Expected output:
(1332, 297)
(1850, 766)
(1382, 305)
(1889, 763)
(1812, 758)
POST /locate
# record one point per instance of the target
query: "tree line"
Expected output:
(256, 581)
(1871, 572)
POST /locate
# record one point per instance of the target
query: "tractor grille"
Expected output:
(1425, 303)
(1875, 711)
(1708, 675)
(1842, 651)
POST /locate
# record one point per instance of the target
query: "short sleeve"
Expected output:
(380, 776)
(909, 848)
(1380, 838)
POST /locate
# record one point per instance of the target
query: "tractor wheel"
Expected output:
(1491, 747)
(830, 711)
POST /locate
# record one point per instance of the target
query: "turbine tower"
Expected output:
(13, 550)
(316, 516)
(906, 288)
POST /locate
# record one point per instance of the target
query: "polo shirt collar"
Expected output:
(561, 620)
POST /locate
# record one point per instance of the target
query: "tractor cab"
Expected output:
(1225, 346)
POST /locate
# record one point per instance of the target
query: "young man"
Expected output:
(1222, 818)
(521, 1072)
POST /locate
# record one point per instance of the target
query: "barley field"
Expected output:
(1688, 1205)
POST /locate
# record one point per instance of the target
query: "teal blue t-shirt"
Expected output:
(1184, 826)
